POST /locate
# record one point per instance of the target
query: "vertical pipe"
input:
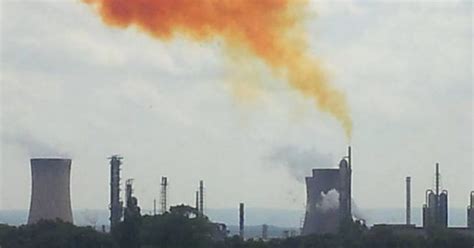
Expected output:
(349, 186)
(437, 218)
(349, 155)
(437, 179)
(472, 199)
(470, 212)
(408, 200)
(197, 200)
(154, 207)
(241, 220)
(201, 197)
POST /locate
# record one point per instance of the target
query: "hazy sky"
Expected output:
(72, 86)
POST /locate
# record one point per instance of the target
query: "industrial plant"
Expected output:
(328, 202)
(434, 212)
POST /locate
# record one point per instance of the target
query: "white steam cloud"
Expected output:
(329, 200)
(32, 145)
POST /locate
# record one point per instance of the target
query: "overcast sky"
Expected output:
(73, 87)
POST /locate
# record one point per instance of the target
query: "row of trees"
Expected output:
(53, 234)
(180, 231)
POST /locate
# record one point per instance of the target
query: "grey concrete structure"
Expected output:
(50, 192)
(328, 198)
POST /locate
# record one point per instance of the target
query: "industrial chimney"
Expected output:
(241, 220)
(201, 198)
(50, 193)
(408, 200)
(470, 212)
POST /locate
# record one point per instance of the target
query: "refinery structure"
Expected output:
(328, 202)
(435, 210)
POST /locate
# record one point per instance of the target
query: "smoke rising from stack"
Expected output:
(270, 30)
(299, 161)
(32, 145)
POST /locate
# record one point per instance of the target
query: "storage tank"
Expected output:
(443, 209)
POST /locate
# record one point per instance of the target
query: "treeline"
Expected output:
(53, 234)
(177, 231)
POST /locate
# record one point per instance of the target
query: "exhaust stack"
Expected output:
(408, 200)
(241, 220)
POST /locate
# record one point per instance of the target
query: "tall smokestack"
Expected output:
(349, 179)
(408, 200)
(241, 220)
(470, 212)
(50, 190)
(437, 189)
(201, 197)
(349, 156)
(197, 201)
(163, 197)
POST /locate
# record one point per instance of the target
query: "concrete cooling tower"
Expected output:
(50, 194)
(328, 198)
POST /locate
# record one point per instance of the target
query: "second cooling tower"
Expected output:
(50, 193)
(328, 199)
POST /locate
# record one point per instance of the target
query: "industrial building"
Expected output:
(435, 209)
(328, 198)
(50, 190)
(435, 213)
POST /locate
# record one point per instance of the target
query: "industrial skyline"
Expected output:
(71, 86)
(328, 207)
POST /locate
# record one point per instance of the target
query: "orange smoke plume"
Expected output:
(269, 29)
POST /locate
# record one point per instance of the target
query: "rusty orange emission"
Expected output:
(269, 29)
